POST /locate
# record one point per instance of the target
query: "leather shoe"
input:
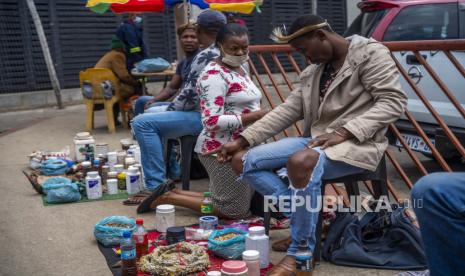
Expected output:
(286, 267)
(282, 245)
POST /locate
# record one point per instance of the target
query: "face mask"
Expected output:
(137, 20)
(234, 61)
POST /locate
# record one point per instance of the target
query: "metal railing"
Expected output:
(275, 92)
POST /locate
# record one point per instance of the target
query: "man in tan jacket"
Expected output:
(347, 98)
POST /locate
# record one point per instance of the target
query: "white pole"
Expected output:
(314, 6)
(46, 51)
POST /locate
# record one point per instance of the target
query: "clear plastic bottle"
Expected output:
(256, 239)
(93, 185)
(207, 204)
(141, 239)
(303, 259)
(128, 255)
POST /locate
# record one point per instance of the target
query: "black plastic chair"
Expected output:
(378, 179)
(187, 144)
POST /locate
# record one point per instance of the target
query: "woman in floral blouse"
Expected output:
(229, 101)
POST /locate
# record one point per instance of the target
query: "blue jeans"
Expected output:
(259, 163)
(152, 130)
(139, 106)
(439, 203)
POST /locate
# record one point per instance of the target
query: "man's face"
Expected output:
(189, 41)
(315, 47)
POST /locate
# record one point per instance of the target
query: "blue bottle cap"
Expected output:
(96, 162)
(127, 234)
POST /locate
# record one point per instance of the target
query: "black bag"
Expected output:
(385, 240)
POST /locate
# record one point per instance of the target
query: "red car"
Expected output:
(418, 20)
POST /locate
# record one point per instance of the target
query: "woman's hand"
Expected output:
(227, 151)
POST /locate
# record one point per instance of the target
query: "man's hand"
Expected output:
(149, 103)
(330, 139)
(227, 151)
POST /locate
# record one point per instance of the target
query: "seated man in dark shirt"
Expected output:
(190, 46)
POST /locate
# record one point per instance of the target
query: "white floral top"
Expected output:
(224, 96)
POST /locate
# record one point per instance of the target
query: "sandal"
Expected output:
(34, 183)
(144, 206)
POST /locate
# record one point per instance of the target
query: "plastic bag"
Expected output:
(230, 249)
(152, 65)
(60, 190)
(54, 166)
(112, 235)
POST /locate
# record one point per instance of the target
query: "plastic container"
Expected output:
(175, 235)
(214, 273)
(126, 143)
(105, 171)
(120, 157)
(112, 186)
(133, 180)
(303, 259)
(119, 168)
(81, 140)
(101, 148)
(128, 162)
(252, 259)
(165, 217)
(207, 204)
(208, 222)
(121, 181)
(234, 268)
(256, 239)
(141, 183)
(86, 167)
(128, 255)
(93, 185)
(141, 238)
(112, 158)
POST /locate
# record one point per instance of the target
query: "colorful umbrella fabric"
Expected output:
(137, 6)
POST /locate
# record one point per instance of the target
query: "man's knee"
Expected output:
(300, 167)
(237, 163)
(428, 185)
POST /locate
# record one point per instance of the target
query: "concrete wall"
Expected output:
(352, 10)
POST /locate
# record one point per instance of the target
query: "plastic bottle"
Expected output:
(141, 239)
(121, 181)
(252, 259)
(86, 166)
(207, 204)
(303, 259)
(81, 140)
(128, 255)
(256, 239)
(132, 180)
(93, 185)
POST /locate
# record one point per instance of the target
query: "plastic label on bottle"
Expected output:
(303, 263)
(92, 183)
(128, 255)
(206, 208)
(134, 178)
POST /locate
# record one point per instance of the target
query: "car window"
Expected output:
(365, 23)
(424, 22)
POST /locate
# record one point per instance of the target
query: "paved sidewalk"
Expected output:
(58, 240)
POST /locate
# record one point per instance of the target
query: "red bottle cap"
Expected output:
(140, 221)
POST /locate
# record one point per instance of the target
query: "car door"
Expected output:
(431, 22)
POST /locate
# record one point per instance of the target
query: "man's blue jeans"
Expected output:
(259, 165)
(139, 106)
(439, 203)
(152, 130)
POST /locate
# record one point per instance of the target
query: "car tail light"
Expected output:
(375, 5)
